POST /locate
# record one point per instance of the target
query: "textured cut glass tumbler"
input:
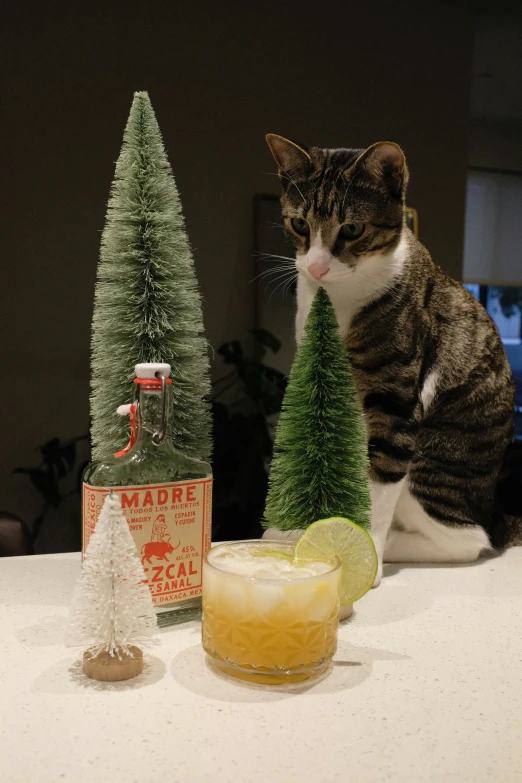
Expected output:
(270, 628)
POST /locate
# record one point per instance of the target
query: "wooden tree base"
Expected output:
(110, 668)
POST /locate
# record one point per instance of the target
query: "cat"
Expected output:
(431, 373)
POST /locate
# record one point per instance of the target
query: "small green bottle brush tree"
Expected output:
(147, 305)
(320, 463)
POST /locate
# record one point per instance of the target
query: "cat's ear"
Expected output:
(385, 163)
(293, 159)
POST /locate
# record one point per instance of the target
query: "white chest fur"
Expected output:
(349, 288)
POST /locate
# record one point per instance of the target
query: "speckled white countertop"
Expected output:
(427, 686)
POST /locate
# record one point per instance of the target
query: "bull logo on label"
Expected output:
(159, 546)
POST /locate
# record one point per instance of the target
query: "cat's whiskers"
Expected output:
(287, 286)
(272, 271)
(268, 274)
(272, 255)
(284, 175)
(287, 273)
(277, 275)
(284, 282)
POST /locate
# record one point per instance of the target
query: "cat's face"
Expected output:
(340, 206)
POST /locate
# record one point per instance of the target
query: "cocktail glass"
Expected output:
(265, 619)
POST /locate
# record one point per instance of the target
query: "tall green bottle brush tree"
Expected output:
(147, 305)
(320, 463)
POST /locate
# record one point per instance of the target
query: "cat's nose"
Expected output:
(318, 270)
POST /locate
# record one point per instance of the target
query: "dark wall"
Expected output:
(220, 75)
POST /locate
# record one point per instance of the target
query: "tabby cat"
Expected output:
(430, 369)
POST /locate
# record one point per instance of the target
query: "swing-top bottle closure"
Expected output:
(151, 373)
(150, 376)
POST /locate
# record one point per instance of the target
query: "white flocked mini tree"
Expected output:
(112, 608)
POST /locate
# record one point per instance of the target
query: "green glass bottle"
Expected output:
(166, 498)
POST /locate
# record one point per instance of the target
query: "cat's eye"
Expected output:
(300, 226)
(352, 230)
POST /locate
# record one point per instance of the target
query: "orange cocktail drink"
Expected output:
(267, 619)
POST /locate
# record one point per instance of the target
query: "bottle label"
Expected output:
(171, 526)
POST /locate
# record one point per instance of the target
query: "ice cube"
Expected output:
(265, 598)
(324, 601)
(317, 568)
(299, 597)
(253, 561)
(234, 595)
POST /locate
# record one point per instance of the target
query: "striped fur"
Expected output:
(430, 368)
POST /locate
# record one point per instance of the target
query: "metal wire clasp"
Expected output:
(159, 436)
